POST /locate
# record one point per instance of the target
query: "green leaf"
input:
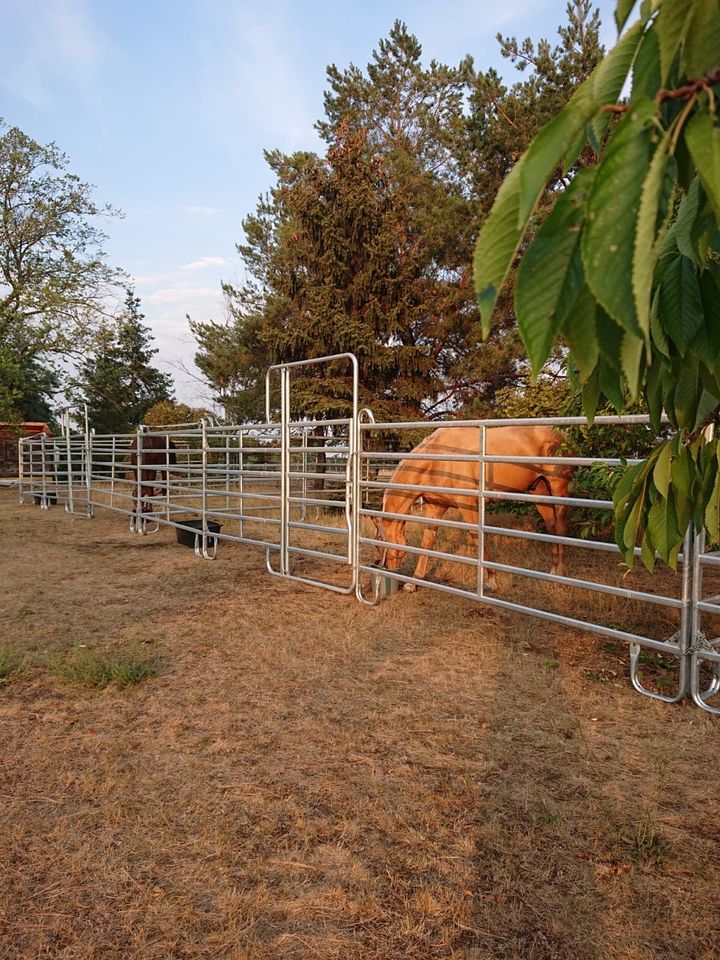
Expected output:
(646, 249)
(610, 75)
(702, 136)
(659, 339)
(575, 149)
(504, 228)
(548, 149)
(647, 554)
(667, 385)
(708, 470)
(546, 282)
(662, 526)
(702, 43)
(646, 69)
(609, 336)
(681, 309)
(661, 471)
(622, 12)
(559, 138)
(708, 403)
(687, 214)
(712, 512)
(672, 24)
(579, 329)
(625, 485)
(682, 471)
(710, 296)
(631, 354)
(688, 390)
(609, 235)
(591, 395)
(496, 245)
(653, 392)
(611, 385)
(632, 523)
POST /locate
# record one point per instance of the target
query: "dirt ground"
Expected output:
(307, 777)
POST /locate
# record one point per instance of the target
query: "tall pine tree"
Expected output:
(368, 247)
(118, 382)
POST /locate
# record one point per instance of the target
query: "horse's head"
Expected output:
(391, 531)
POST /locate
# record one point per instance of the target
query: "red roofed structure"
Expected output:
(9, 435)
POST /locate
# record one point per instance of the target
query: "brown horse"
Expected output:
(463, 475)
(155, 455)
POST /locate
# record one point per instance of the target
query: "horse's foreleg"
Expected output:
(556, 524)
(434, 512)
(561, 530)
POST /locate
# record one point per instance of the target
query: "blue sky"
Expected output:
(166, 108)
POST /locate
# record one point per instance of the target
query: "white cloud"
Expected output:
(167, 299)
(204, 262)
(204, 211)
(181, 294)
(49, 44)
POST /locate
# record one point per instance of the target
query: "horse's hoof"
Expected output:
(410, 587)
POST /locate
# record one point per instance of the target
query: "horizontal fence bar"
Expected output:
(609, 420)
(661, 646)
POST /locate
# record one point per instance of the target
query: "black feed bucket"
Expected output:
(189, 538)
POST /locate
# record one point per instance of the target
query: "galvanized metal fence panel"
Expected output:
(705, 629)
(674, 596)
(55, 469)
(314, 495)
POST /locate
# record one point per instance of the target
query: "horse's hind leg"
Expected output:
(433, 512)
(469, 514)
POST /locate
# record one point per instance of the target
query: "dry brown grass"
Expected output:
(307, 777)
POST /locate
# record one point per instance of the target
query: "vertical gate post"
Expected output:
(44, 504)
(113, 452)
(69, 503)
(284, 471)
(21, 471)
(88, 462)
(241, 491)
(700, 645)
(481, 513)
(137, 524)
(684, 634)
(201, 538)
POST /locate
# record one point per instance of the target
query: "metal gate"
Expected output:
(305, 490)
(55, 470)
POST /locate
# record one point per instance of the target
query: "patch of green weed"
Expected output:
(12, 664)
(94, 668)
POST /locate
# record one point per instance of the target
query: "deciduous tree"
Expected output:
(53, 273)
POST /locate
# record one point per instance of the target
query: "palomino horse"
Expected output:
(155, 455)
(521, 441)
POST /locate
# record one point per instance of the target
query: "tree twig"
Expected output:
(685, 92)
